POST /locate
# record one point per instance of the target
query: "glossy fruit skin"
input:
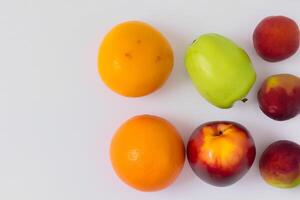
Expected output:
(221, 152)
(134, 59)
(279, 164)
(279, 96)
(276, 38)
(221, 71)
(147, 153)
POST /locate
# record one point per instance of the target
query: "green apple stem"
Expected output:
(244, 100)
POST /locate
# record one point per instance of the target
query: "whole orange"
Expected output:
(134, 59)
(147, 153)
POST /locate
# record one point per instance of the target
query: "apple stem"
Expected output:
(244, 100)
(220, 132)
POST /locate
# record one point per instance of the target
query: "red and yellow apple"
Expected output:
(221, 152)
(280, 164)
(279, 96)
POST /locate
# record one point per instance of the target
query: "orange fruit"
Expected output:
(147, 153)
(134, 59)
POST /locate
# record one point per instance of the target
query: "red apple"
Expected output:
(221, 152)
(279, 96)
(279, 164)
(276, 38)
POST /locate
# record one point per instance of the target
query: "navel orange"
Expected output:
(147, 153)
(134, 59)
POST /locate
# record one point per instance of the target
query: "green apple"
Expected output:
(221, 71)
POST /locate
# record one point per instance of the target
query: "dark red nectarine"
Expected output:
(276, 38)
(280, 164)
(279, 96)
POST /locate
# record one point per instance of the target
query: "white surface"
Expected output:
(57, 117)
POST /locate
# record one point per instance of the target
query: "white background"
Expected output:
(57, 117)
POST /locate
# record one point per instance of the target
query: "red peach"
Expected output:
(279, 96)
(276, 38)
(279, 164)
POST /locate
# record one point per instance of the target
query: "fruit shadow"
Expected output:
(187, 177)
(263, 136)
(263, 68)
(178, 78)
